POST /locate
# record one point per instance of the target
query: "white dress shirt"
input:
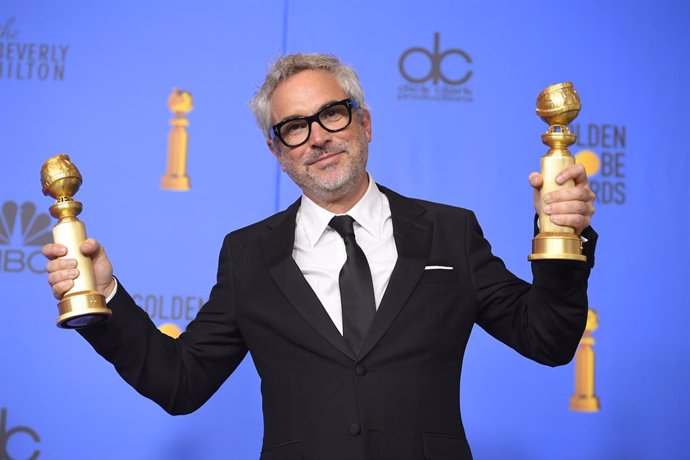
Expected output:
(319, 251)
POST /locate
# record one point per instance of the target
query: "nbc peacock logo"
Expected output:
(22, 233)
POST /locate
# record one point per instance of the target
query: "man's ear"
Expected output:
(366, 124)
(273, 147)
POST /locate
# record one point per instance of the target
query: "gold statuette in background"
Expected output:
(584, 399)
(82, 305)
(557, 105)
(176, 178)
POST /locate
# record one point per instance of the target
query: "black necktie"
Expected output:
(356, 287)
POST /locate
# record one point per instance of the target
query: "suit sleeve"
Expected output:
(178, 374)
(543, 321)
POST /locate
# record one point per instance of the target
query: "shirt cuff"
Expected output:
(114, 291)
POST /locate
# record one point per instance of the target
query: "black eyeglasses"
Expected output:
(333, 118)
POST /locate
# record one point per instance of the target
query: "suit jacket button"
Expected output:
(355, 429)
(360, 370)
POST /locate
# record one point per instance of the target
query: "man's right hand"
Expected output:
(63, 271)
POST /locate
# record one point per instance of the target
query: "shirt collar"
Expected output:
(369, 212)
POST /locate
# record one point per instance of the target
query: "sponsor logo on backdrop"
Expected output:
(172, 313)
(22, 233)
(438, 74)
(12, 448)
(601, 150)
(29, 60)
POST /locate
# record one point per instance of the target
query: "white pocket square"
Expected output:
(438, 267)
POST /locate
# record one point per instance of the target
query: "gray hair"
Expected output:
(286, 66)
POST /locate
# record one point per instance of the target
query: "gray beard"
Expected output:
(340, 186)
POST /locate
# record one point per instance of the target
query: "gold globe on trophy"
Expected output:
(558, 105)
(82, 305)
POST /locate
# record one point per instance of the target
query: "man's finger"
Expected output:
(536, 180)
(52, 251)
(90, 247)
(578, 193)
(575, 171)
(570, 207)
(576, 221)
(60, 264)
(60, 288)
(62, 275)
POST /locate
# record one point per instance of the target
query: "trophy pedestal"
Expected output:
(175, 183)
(556, 245)
(82, 309)
(585, 403)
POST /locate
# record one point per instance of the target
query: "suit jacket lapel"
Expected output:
(412, 234)
(277, 244)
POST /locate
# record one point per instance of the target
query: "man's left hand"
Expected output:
(572, 206)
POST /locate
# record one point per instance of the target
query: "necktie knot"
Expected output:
(343, 225)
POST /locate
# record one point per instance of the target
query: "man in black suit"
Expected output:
(357, 325)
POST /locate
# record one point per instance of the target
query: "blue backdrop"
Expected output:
(92, 80)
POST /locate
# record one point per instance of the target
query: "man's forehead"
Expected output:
(304, 93)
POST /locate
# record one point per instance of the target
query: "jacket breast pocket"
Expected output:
(285, 451)
(438, 275)
(446, 447)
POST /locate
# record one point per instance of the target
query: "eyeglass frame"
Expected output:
(349, 103)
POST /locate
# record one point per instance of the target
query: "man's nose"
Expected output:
(319, 136)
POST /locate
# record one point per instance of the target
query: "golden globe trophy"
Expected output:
(584, 399)
(82, 305)
(176, 178)
(557, 105)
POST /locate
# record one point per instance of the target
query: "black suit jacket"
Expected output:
(397, 400)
